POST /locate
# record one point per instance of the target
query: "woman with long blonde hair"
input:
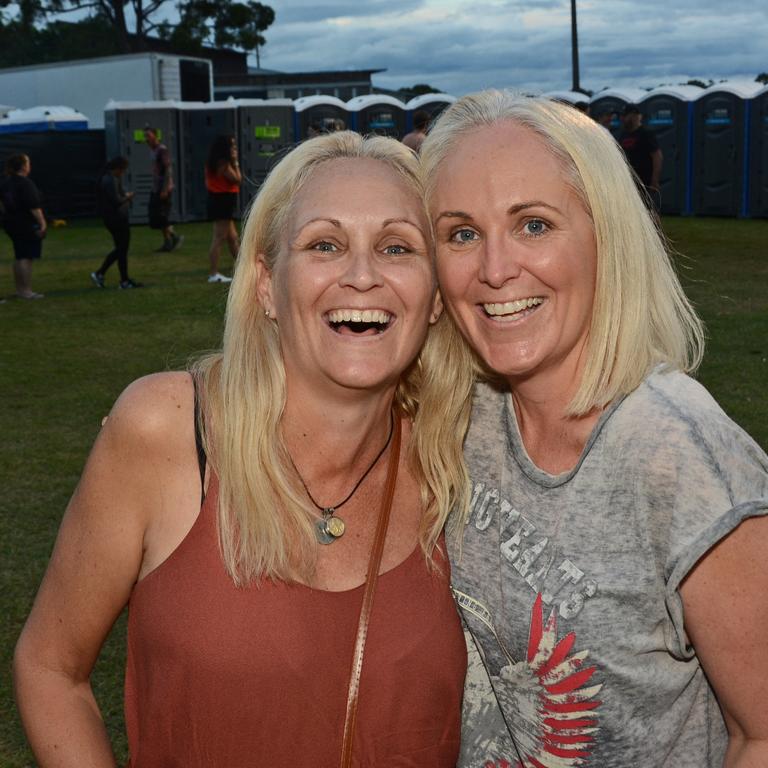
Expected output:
(245, 511)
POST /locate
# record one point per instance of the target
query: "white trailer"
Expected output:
(88, 84)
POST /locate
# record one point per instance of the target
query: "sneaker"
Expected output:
(126, 284)
(98, 280)
(166, 247)
(176, 241)
(31, 295)
(219, 278)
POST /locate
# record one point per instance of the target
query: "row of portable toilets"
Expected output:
(265, 130)
(714, 140)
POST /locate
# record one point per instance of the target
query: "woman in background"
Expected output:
(114, 205)
(23, 221)
(222, 180)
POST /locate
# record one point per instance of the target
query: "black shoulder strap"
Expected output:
(202, 459)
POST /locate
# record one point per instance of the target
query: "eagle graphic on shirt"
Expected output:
(549, 699)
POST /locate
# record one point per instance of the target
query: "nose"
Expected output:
(498, 261)
(361, 270)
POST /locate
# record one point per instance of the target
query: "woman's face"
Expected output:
(516, 256)
(353, 289)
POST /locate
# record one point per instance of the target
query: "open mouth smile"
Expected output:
(512, 310)
(359, 322)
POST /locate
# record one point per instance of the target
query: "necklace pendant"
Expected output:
(329, 527)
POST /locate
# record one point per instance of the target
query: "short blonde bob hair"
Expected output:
(641, 317)
(265, 522)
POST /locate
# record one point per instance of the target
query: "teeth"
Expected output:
(359, 316)
(511, 307)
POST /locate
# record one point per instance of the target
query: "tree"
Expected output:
(224, 22)
(762, 78)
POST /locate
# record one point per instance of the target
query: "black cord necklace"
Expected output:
(330, 526)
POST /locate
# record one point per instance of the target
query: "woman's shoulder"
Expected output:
(155, 412)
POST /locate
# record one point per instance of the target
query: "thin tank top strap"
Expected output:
(202, 459)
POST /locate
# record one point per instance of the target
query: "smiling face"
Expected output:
(352, 289)
(516, 256)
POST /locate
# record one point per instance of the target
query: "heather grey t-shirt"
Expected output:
(569, 584)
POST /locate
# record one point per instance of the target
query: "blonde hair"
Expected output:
(265, 523)
(640, 317)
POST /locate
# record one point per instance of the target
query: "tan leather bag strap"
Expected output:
(370, 587)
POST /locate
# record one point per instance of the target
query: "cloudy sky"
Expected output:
(464, 46)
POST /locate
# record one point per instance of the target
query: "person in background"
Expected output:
(415, 138)
(222, 180)
(612, 569)
(605, 119)
(160, 198)
(23, 221)
(642, 151)
(113, 204)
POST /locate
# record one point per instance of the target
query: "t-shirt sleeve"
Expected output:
(651, 141)
(29, 195)
(713, 476)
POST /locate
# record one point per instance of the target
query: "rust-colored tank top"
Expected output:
(227, 677)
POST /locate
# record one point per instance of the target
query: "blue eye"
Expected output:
(324, 247)
(395, 250)
(464, 236)
(535, 227)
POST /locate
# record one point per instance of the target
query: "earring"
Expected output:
(266, 313)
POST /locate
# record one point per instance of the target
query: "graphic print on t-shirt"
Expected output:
(554, 709)
(549, 698)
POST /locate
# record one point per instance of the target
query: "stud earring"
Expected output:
(266, 313)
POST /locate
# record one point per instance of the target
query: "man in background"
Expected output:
(416, 137)
(642, 151)
(160, 199)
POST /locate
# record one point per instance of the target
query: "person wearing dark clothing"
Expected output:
(113, 205)
(414, 139)
(23, 221)
(162, 190)
(642, 151)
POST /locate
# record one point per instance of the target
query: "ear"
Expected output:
(264, 285)
(437, 308)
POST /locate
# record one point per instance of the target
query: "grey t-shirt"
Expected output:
(569, 584)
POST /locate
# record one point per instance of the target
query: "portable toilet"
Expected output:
(379, 114)
(614, 100)
(758, 153)
(200, 124)
(719, 176)
(432, 103)
(124, 123)
(41, 119)
(668, 111)
(318, 114)
(266, 134)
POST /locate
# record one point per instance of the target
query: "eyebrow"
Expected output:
(511, 211)
(336, 223)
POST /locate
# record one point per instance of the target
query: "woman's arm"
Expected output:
(40, 219)
(96, 561)
(230, 170)
(726, 617)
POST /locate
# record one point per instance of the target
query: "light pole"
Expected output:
(574, 49)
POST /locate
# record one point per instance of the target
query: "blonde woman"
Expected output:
(244, 607)
(612, 570)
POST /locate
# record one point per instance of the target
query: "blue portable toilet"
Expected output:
(568, 97)
(720, 128)
(379, 114)
(758, 154)
(266, 134)
(200, 123)
(318, 114)
(432, 103)
(668, 112)
(124, 123)
(42, 119)
(614, 100)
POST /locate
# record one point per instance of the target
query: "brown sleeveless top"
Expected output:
(226, 677)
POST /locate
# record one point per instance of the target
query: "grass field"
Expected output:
(64, 359)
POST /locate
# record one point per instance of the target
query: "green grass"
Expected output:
(63, 361)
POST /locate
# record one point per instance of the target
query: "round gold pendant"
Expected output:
(335, 526)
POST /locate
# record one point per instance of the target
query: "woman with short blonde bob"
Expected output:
(246, 632)
(610, 568)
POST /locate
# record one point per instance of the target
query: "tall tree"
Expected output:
(223, 22)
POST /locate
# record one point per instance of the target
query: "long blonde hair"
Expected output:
(264, 522)
(641, 317)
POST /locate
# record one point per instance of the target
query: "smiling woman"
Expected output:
(612, 565)
(246, 511)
